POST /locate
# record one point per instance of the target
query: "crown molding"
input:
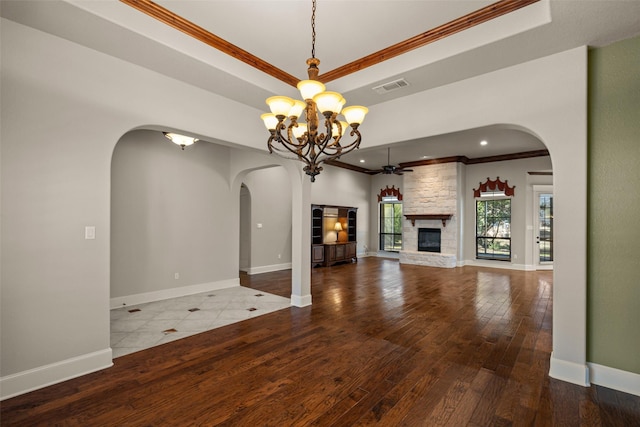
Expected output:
(462, 23)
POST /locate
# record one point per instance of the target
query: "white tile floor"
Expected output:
(135, 328)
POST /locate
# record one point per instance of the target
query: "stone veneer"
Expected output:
(431, 189)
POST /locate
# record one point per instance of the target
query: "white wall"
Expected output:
(515, 172)
(169, 215)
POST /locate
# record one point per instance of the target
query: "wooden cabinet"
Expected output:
(338, 252)
(331, 244)
(317, 254)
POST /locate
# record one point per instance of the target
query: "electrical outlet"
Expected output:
(90, 232)
(279, 256)
(176, 276)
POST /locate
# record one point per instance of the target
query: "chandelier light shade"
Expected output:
(181, 140)
(311, 141)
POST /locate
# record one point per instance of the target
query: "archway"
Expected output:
(265, 220)
(172, 274)
(300, 217)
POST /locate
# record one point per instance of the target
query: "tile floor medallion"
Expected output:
(135, 328)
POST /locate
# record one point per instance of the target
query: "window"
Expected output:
(390, 226)
(493, 229)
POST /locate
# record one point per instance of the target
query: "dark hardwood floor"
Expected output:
(383, 344)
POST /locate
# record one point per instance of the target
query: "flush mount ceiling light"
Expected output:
(181, 140)
(305, 141)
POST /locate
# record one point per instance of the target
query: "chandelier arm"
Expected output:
(352, 145)
(291, 137)
(284, 153)
(339, 149)
(293, 148)
(300, 151)
(342, 150)
(284, 141)
(326, 138)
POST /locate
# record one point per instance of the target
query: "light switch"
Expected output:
(90, 232)
(259, 225)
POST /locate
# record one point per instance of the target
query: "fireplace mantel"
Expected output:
(442, 217)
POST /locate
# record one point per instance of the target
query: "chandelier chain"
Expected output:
(313, 30)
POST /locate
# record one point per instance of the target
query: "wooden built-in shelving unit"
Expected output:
(328, 246)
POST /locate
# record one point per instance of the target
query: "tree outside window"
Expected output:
(493, 229)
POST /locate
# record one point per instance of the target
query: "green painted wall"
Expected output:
(614, 206)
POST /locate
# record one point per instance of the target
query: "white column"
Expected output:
(301, 241)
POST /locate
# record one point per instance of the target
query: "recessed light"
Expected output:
(483, 142)
(426, 157)
(361, 160)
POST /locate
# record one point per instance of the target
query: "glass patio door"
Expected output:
(544, 227)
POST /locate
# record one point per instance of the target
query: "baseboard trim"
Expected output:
(43, 376)
(627, 382)
(146, 297)
(498, 264)
(268, 268)
(300, 300)
(575, 373)
(385, 254)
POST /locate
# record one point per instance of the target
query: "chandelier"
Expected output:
(307, 141)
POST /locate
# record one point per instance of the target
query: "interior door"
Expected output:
(543, 226)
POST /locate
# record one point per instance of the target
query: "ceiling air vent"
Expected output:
(389, 86)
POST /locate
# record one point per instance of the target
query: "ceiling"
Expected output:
(279, 33)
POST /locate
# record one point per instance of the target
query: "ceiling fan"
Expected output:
(389, 169)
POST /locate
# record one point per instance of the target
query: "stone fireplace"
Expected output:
(431, 202)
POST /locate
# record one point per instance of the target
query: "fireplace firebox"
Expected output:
(429, 239)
